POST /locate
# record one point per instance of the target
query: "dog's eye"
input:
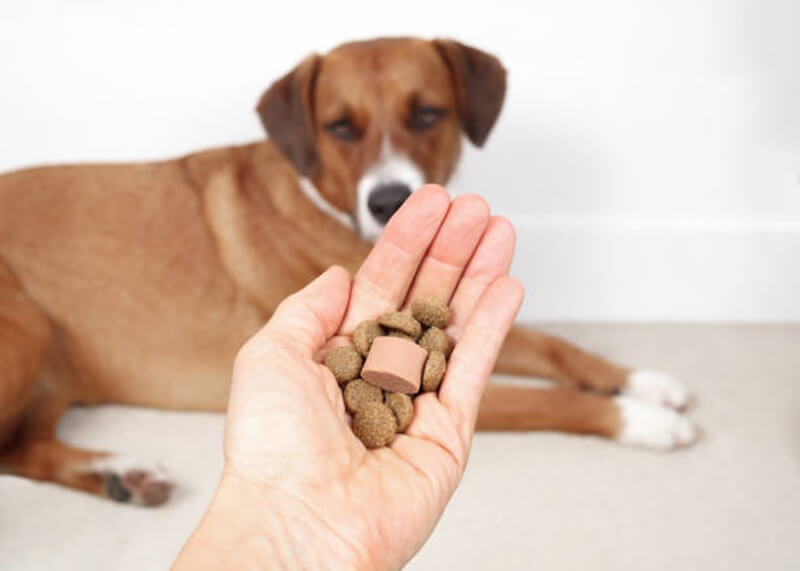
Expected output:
(342, 129)
(425, 117)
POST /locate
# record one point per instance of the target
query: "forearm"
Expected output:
(246, 528)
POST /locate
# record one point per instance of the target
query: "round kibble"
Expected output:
(401, 322)
(357, 392)
(396, 333)
(403, 408)
(374, 424)
(430, 311)
(364, 334)
(434, 339)
(344, 362)
(434, 371)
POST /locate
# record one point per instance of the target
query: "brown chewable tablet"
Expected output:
(357, 392)
(364, 334)
(374, 424)
(344, 362)
(401, 335)
(434, 339)
(403, 408)
(430, 311)
(395, 364)
(433, 372)
(401, 322)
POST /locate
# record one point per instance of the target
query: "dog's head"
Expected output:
(371, 121)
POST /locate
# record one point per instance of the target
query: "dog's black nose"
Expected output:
(385, 199)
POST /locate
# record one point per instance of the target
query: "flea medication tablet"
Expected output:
(395, 364)
(394, 358)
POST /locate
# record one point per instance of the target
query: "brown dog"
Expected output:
(137, 283)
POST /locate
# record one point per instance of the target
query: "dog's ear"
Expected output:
(480, 83)
(286, 111)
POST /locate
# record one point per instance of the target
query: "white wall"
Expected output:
(649, 152)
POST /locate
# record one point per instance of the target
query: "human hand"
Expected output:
(299, 489)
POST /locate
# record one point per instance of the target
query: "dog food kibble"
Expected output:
(434, 339)
(393, 359)
(365, 334)
(374, 424)
(401, 335)
(344, 362)
(401, 322)
(433, 372)
(357, 392)
(403, 408)
(430, 311)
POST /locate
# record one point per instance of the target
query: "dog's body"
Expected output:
(138, 283)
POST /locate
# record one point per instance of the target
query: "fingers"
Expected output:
(475, 354)
(305, 320)
(383, 280)
(451, 249)
(491, 259)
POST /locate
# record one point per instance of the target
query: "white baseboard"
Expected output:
(622, 271)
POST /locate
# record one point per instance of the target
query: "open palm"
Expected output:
(287, 429)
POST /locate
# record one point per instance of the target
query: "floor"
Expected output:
(528, 501)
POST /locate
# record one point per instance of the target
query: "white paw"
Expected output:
(653, 426)
(128, 480)
(658, 388)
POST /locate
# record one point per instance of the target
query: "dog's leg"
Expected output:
(627, 420)
(24, 333)
(29, 414)
(36, 453)
(531, 353)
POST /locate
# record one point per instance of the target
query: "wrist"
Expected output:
(248, 525)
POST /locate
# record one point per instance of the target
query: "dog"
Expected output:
(137, 283)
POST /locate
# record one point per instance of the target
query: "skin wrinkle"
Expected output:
(433, 484)
(374, 285)
(457, 459)
(284, 492)
(319, 337)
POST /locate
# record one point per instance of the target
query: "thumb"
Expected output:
(305, 320)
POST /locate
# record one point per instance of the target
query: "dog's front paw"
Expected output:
(653, 426)
(127, 480)
(658, 388)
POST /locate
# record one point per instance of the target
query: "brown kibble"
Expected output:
(430, 311)
(434, 339)
(344, 362)
(374, 424)
(357, 392)
(403, 408)
(364, 334)
(396, 333)
(401, 322)
(433, 372)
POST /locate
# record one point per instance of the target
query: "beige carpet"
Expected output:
(528, 501)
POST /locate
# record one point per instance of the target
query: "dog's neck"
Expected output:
(259, 212)
(313, 194)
